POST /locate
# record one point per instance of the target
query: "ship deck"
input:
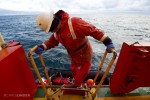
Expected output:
(104, 93)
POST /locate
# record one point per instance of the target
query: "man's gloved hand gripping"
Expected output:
(39, 50)
(108, 43)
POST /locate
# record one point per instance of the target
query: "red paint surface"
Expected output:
(132, 69)
(16, 78)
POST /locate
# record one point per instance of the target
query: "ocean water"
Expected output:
(119, 27)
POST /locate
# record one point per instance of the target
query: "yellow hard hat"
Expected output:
(44, 20)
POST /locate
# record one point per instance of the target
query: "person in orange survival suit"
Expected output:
(72, 34)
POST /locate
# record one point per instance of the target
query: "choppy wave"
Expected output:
(120, 27)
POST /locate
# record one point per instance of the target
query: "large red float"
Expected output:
(16, 79)
(132, 69)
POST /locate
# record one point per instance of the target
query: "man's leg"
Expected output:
(74, 69)
(81, 72)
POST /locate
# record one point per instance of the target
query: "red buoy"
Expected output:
(90, 82)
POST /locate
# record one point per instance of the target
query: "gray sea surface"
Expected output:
(119, 27)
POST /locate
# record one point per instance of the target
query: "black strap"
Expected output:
(80, 47)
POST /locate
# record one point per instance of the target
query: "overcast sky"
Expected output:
(77, 5)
